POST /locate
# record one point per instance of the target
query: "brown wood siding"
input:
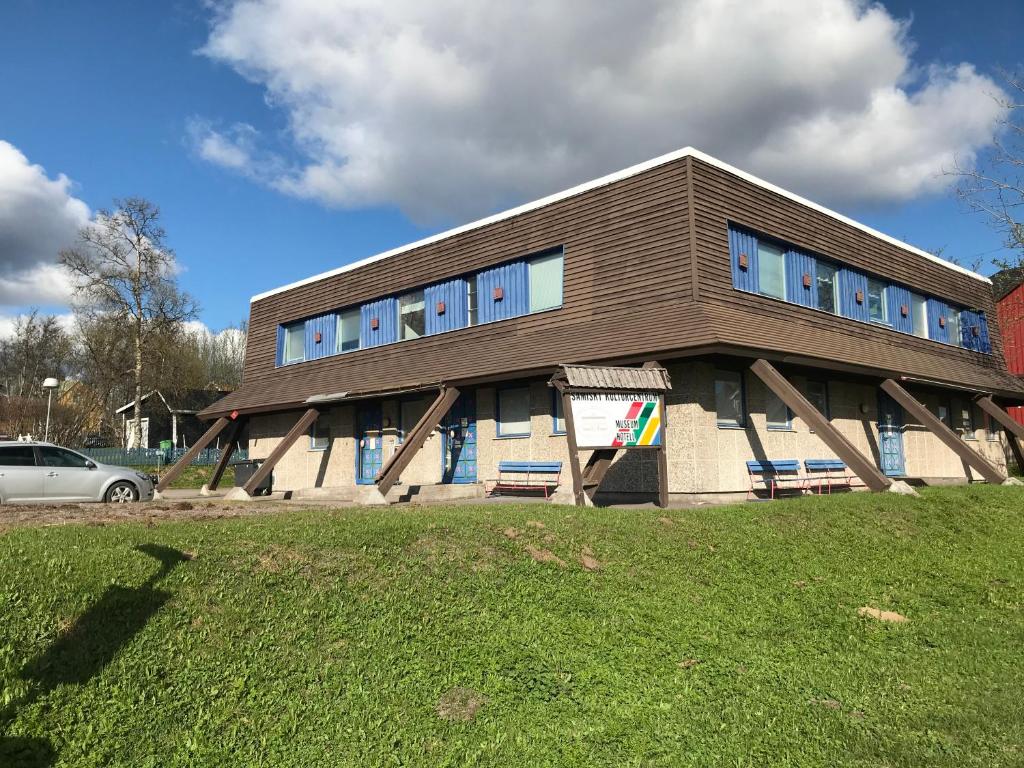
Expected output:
(627, 286)
(751, 320)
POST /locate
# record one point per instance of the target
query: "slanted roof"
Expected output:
(184, 402)
(614, 377)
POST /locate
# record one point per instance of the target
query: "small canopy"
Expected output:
(612, 377)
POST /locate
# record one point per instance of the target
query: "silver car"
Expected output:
(34, 472)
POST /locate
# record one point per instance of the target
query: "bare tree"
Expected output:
(995, 186)
(124, 270)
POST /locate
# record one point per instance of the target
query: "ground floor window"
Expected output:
(513, 414)
(729, 399)
(557, 415)
(319, 435)
(777, 413)
(411, 412)
(967, 421)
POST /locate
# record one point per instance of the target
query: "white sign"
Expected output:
(616, 419)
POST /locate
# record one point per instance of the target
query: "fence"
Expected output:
(154, 457)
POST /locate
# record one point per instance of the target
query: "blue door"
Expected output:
(458, 453)
(369, 452)
(890, 436)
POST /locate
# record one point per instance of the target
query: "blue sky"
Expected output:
(273, 156)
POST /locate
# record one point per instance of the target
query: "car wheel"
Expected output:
(122, 493)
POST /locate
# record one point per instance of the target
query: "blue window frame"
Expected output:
(512, 412)
(557, 416)
(730, 400)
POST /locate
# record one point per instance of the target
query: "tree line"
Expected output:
(130, 333)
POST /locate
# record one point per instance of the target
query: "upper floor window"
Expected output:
(953, 326)
(546, 281)
(348, 330)
(472, 301)
(411, 315)
(771, 270)
(295, 342)
(919, 314)
(878, 310)
(827, 288)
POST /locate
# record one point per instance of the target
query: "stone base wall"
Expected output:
(703, 457)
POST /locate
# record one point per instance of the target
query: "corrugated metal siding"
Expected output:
(279, 359)
(326, 326)
(742, 242)
(969, 320)
(898, 299)
(454, 294)
(386, 312)
(515, 301)
(936, 331)
(799, 264)
(1011, 326)
(985, 339)
(851, 283)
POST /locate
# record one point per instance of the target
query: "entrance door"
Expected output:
(890, 436)
(369, 452)
(458, 452)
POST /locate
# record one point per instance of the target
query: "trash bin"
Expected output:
(244, 470)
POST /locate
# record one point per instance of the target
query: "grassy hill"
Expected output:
(523, 635)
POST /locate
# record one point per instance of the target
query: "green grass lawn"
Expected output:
(194, 476)
(433, 637)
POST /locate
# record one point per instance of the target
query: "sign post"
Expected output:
(626, 413)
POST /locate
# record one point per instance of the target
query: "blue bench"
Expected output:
(527, 476)
(778, 476)
(828, 474)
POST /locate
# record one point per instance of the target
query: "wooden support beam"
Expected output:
(861, 465)
(933, 424)
(596, 468)
(178, 467)
(578, 494)
(303, 424)
(393, 468)
(1013, 428)
(663, 448)
(226, 453)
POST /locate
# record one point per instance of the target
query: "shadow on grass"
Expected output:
(85, 649)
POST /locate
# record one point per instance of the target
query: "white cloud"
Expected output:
(38, 217)
(453, 107)
(7, 323)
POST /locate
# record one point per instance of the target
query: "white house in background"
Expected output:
(169, 416)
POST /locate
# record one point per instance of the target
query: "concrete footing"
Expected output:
(205, 490)
(236, 494)
(903, 488)
(1013, 481)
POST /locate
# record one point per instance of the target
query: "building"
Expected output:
(682, 260)
(169, 416)
(1010, 306)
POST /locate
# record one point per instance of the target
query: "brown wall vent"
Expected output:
(318, 337)
(904, 310)
(440, 307)
(374, 323)
(807, 279)
(942, 321)
(860, 297)
(975, 331)
(498, 293)
(744, 262)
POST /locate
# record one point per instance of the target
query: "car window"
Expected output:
(17, 456)
(59, 457)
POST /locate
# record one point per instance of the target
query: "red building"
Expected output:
(1010, 308)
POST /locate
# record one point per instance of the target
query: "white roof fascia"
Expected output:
(611, 178)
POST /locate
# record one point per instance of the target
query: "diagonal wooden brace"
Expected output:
(933, 424)
(225, 455)
(303, 424)
(1013, 428)
(392, 469)
(208, 437)
(863, 467)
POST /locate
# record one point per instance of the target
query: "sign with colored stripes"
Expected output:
(616, 419)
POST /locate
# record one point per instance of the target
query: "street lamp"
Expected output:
(49, 385)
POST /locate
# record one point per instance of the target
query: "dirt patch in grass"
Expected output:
(460, 704)
(588, 561)
(541, 555)
(876, 613)
(535, 524)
